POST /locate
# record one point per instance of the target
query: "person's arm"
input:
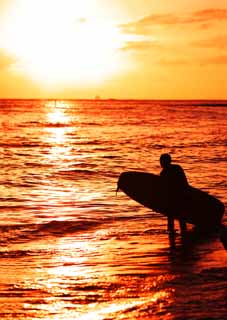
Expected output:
(182, 176)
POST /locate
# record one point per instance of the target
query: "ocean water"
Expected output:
(70, 247)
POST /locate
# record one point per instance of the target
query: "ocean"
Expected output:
(70, 247)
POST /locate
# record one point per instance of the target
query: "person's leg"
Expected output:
(170, 224)
(183, 225)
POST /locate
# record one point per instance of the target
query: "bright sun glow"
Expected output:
(62, 41)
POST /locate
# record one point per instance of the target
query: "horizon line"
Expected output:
(118, 99)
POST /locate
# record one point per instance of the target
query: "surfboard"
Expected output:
(195, 206)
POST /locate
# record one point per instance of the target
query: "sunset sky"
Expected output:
(140, 49)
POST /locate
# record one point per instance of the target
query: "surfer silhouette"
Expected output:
(176, 183)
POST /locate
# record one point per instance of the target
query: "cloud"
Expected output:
(140, 45)
(219, 42)
(174, 62)
(6, 61)
(145, 24)
(215, 60)
(211, 14)
(203, 17)
(212, 60)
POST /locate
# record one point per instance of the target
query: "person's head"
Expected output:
(165, 160)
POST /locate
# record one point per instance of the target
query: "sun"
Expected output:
(62, 41)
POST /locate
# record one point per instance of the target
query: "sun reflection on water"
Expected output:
(57, 132)
(58, 116)
(85, 277)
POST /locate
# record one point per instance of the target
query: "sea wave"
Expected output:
(23, 233)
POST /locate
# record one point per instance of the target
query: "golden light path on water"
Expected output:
(78, 258)
(84, 277)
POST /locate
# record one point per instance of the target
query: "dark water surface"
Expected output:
(72, 249)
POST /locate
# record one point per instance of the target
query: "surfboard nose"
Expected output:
(121, 180)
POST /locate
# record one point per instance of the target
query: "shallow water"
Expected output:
(71, 248)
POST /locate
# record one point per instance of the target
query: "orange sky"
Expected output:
(138, 49)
